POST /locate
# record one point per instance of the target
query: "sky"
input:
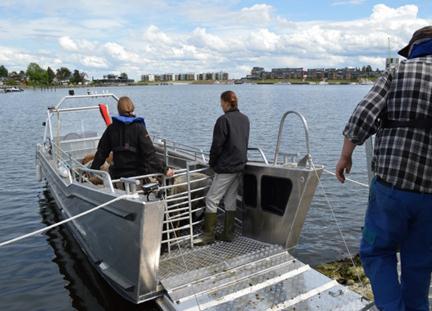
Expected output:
(164, 36)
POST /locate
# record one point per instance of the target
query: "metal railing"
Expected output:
(76, 171)
(306, 130)
(195, 153)
(261, 153)
(184, 198)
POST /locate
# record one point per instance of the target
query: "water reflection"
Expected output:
(87, 289)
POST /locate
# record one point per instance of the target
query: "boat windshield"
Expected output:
(80, 118)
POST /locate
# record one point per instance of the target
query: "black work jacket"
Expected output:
(228, 153)
(133, 150)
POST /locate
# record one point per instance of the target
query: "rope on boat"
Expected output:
(348, 179)
(19, 238)
(337, 222)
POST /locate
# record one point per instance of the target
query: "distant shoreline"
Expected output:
(169, 83)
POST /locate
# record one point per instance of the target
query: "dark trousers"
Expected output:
(398, 220)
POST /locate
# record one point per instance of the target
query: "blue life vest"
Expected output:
(125, 145)
(129, 120)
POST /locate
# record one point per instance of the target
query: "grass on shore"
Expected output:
(346, 274)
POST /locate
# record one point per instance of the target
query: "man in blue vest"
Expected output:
(398, 109)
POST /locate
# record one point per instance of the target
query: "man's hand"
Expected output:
(170, 172)
(343, 166)
(345, 161)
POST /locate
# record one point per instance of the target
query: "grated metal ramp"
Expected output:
(249, 275)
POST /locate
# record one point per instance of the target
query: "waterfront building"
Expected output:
(287, 73)
(316, 73)
(257, 73)
(221, 76)
(186, 76)
(113, 79)
(319, 74)
(148, 78)
(167, 77)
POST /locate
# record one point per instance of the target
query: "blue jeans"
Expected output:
(398, 220)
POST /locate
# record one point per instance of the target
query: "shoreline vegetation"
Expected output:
(346, 274)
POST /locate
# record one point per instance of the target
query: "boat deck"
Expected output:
(248, 275)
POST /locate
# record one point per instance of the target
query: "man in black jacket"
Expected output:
(228, 157)
(133, 150)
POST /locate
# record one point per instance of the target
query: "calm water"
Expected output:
(49, 272)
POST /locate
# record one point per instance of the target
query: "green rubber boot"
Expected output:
(208, 236)
(229, 227)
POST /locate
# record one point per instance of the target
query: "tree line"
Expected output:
(35, 75)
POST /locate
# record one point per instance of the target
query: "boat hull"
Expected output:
(122, 240)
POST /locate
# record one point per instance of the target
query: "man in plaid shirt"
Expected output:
(398, 109)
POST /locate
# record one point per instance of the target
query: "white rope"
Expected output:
(67, 220)
(348, 179)
(337, 224)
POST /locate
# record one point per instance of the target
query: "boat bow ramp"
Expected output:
(248, 275)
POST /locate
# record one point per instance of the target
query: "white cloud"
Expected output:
(80, 46)
(117, 51)
(94, 62)
(155, 36)
(213, 37)
(381, 12)
(200, 38)
(13, 55)
(375, 62)
(68, 44)
(263, 40)
(257, 13)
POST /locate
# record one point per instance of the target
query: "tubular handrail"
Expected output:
(78, 167)
(106, 178)
(107, 95)
(168, 144)
(261, 152)
(281, 126)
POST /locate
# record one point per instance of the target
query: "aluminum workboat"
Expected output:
(143, 243)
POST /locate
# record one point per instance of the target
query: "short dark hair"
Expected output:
(231, 98)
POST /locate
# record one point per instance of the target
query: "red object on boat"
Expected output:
(105, 114)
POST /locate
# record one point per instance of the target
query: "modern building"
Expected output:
(288, 73)
(212, 76)
(113, 79)
(257, 73)
(186, 76)
(316, 73)
(148, 78)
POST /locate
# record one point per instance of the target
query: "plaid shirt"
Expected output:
(402, 156)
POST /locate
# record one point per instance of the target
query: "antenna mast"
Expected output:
(388, 47)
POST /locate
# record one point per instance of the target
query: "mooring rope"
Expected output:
(348, 179)
(337, 222)
(125, 196)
